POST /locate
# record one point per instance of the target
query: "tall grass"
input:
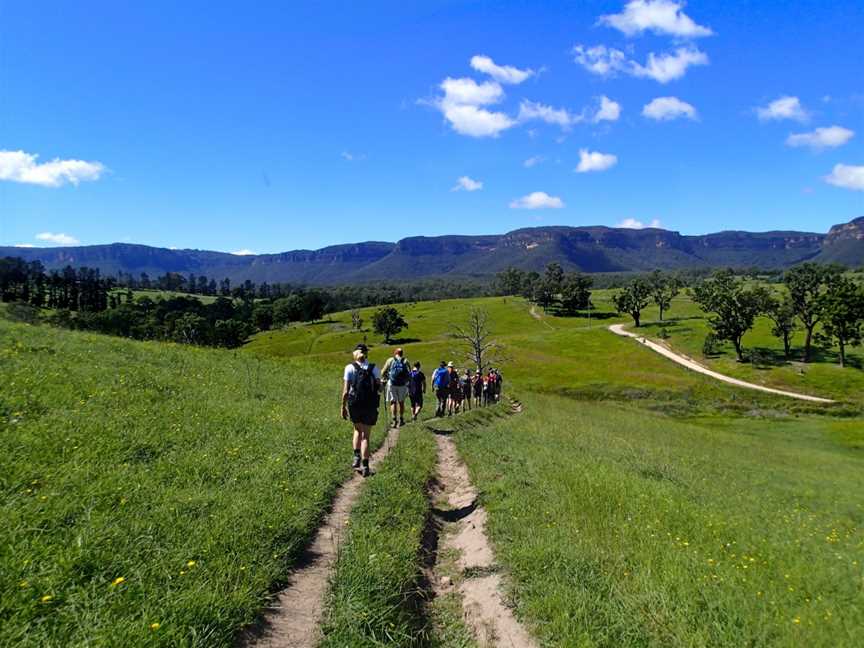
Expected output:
(625, 528)
(152, 494)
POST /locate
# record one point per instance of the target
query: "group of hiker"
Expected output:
(399, 381)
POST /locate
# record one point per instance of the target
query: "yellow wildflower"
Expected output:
(117, 581)
(47, 598)
(191, 563)
(154, 626)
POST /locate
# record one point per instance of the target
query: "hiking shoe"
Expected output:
(366, 471)
(356, 463)
(401, 422)
(393, 423)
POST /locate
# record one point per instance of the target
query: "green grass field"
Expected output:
(158, 493)
(152, 494)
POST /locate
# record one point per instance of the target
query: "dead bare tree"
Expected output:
(475, 340)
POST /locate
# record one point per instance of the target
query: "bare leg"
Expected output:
(364, 440)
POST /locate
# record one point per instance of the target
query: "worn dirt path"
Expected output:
(618, 329)
(539, 317)
(294, 619)
(485, 611)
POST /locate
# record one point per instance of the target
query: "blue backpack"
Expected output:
(399, 372)
(441, 379)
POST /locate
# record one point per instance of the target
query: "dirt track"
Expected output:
(294, 620)
(618, 329)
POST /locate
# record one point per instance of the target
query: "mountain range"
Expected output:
(589, 249)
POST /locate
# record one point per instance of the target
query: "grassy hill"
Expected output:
(153, 494)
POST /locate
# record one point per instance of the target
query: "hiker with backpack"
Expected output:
(361, 391)
(416, 390)
(396, 374)
(467, 388)
(478, 388)
(454, 400)
(441, 385)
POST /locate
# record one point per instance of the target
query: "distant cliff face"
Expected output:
(589, 249)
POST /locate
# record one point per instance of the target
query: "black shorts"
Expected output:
(416, 399)
(363, 415)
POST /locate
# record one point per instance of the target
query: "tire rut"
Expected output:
(463, 526)
(294, 618)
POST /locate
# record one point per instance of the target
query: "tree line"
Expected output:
(812, 295)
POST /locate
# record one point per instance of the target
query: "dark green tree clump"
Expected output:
(842, 314)
(733, 307)
(388, 321)
(664, 288)
(633, 299)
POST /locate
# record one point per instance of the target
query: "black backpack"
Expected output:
(363, 390)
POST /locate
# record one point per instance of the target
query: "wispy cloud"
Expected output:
(352, 157)
(668, 108)
(664, 17)
(632, 223)
(501, 73)
(57, 239)
(244, 252)
(533, 110)
(465, 183)
(663, 68)
(595, 161)
(847, 177)
(537, 200)
(821, 138)
(534, 160)
(18, 166)
(24, 245)
(786, 107)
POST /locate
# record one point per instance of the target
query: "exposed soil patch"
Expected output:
(294, 619)
(492, 623)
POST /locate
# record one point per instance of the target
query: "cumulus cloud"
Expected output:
(608, 111)
(847, 177)
(467, 184)
(57, 239)
(595, 161)
(783, 108)
(537, 200)
(663, 68)
(24, 245)
(534, 160)
(821, 138)
(18, 166)
(244, 252)
(461, 106)
(531, 110)
(632, 223)
(658, 16)
(501, 73)
(668, 108)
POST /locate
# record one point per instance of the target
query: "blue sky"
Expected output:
(275, 126)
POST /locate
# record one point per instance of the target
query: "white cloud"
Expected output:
(244, 252)
(632, 223)
(668, 108)
(847, 177)
(600, 60)
(821, 138)
(501, 73)
(460, 106)
(534, 160)
(24, 245)
(595, 161)
(658, 16)
(537, 200)
(605, 61)
(608, 111)
(664, 68)
(18, 166)
(467, 184)
(529, 110)
(351, 157)
(57, 239)
(783, 108)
